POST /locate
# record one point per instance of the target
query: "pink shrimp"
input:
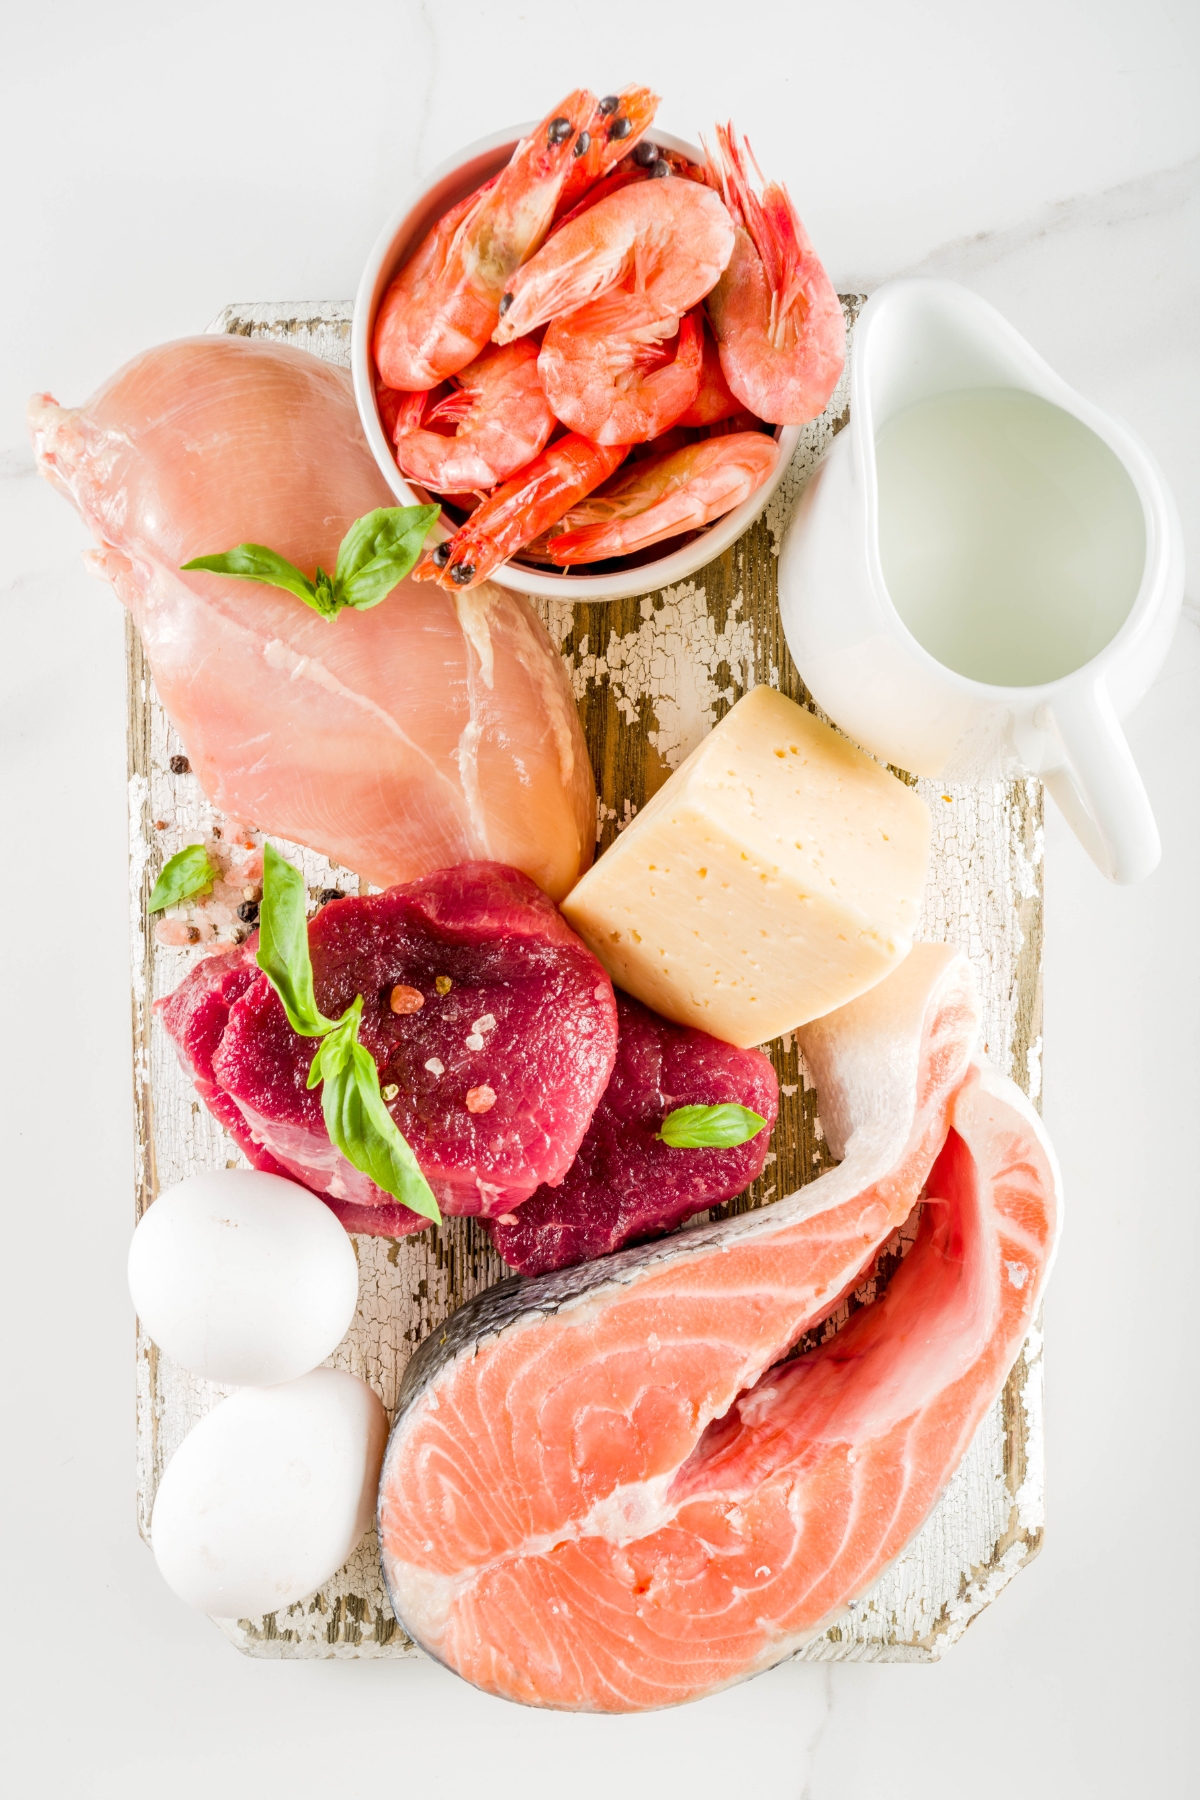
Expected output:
(713, 401)
(668, 240)
(606, 373)
(502, 420)
(617, 125)
(620, 177)
(662, 497)
(443, 306)
(777, 320)
(520, 511)
(632, 168)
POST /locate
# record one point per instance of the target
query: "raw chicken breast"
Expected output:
(434, 729)
(607, 1489)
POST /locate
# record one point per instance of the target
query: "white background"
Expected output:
(160, 159)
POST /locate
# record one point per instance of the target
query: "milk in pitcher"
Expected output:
(1011, 538)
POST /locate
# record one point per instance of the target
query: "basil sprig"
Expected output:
(185, 874)
(283, 944)
(358, 1122)
(710, 1127)
(378, 551)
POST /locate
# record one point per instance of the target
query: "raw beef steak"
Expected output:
(195, 1016)
(625, 1184)
(497, 1068)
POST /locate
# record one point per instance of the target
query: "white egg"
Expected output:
(268, 1495)
(243, 1277)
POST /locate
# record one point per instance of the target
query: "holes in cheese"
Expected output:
(778, 874)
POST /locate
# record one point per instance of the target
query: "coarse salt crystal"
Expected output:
(474, 1041)
(486, 1023)
(435, 1066)
(175, 932)
(481, 1099)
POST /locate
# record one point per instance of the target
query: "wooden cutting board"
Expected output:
(651, 675)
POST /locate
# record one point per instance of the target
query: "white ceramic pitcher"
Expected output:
(917, 339)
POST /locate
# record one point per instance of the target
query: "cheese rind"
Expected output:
(776, 876)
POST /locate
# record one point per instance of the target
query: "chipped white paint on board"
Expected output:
(673, 658)
(668, 672)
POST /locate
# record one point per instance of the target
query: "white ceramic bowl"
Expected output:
(397, 241)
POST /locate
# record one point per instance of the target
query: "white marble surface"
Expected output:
(160, 161)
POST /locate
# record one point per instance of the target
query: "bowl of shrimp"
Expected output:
(594, 349)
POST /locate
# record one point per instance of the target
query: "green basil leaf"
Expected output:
(710, 1127)
(359, 1123)
(283, 943)
(185, 874)
(378, 551)
(254, 562)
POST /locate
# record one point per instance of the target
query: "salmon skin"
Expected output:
(607, 1490)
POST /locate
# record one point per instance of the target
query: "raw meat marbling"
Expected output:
(529, 1016)
(195, 1017)
(626, 1184)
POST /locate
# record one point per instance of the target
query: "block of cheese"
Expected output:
(776, 875)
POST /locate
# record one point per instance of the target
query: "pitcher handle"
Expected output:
(1099, 791)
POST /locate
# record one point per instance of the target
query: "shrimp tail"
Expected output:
(608, 374)
(491, 420)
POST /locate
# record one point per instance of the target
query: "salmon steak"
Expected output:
(430, 730)
(492, 1026)
(610, 1489)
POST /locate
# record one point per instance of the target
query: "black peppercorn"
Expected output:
(180, 765)
(325, 896)
(247, 912)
